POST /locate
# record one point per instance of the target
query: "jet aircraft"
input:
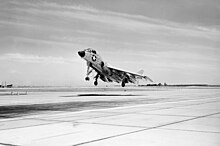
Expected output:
(106, 72)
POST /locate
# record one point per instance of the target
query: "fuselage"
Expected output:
(105, 72)
(95, 62)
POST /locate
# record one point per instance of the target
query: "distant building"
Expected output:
(6, 86)
(9, 86)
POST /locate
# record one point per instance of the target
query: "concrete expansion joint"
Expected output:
(150, 128)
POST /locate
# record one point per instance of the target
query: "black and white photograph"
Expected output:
(109, 72)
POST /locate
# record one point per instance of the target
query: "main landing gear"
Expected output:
(124, 81)
(123, 84)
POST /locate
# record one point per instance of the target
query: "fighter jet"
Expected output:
(106, 72)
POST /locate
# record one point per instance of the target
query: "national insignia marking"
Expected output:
(93, 58)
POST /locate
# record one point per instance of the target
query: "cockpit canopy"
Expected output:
(90, 50)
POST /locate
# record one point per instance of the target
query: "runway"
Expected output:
(111, 116)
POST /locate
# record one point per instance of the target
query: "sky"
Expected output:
(174, 41)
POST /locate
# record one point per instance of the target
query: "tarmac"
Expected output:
(129, 116)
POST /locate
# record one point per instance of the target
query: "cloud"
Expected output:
(123, 21)
(62, 23)
(125, 37)
(138, 23)
(13, 71)
(26, 58)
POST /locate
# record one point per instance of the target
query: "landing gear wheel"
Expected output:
(123, 84)
(87, 78)
(96, 83)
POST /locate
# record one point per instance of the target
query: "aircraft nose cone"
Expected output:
(81, 53)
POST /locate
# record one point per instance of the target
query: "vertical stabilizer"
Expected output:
(141, 72)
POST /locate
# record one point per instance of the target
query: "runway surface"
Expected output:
(137, 116)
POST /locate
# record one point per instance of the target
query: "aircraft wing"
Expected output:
(119, 74)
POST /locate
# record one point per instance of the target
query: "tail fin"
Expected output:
(147, 78)
(141, 72)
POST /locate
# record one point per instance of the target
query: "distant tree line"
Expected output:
(180, 85)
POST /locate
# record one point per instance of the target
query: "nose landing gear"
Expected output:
(96, 80)
(96, 83)
(89, 71)
(87, 78)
